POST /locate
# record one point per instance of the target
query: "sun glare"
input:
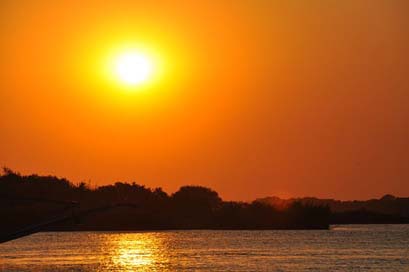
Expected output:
(133, 68)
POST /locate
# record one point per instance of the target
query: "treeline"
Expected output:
(385, 210)
(30, 199)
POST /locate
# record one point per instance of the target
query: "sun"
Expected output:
(133, 68)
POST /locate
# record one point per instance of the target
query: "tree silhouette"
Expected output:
(29, 199)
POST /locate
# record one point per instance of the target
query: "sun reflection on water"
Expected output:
(138, 252)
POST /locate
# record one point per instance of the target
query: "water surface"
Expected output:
(343, 248)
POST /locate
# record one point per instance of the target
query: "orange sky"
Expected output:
(252, 98)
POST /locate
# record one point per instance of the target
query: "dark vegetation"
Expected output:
(28, 200)
(386, 210)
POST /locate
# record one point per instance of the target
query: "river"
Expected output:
(342, 248)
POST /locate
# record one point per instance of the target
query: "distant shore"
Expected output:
(36, 203)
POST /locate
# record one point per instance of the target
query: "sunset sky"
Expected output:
(250, 98)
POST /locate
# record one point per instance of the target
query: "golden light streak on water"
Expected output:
(137, 252)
